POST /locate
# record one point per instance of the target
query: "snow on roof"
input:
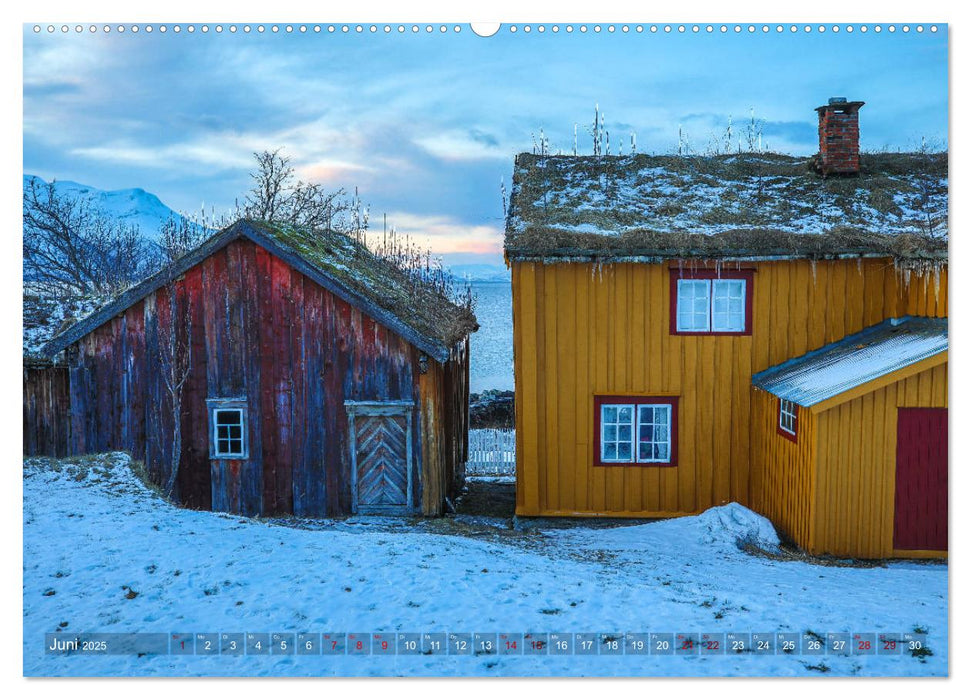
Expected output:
(725, 205)
(855, 360)
(44, 317)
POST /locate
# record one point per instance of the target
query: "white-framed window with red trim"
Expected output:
(711, 302)
(636, 430)
(788, 425)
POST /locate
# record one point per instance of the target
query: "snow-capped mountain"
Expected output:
(131, 206)
(480, 272)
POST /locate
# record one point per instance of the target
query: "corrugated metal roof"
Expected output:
(855, 360)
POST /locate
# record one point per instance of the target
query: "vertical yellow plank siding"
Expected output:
(857, 464)
(785, 482)
(582, 329)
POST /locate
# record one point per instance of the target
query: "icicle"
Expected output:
(812, 268)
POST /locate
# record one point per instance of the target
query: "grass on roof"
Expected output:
(703, 206)
(423, 306)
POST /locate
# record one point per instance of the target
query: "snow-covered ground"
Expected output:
(102, 553)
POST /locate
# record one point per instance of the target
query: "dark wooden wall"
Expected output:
(262, 331)
(46, 411)
(444, 395)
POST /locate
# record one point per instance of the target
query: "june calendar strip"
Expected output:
(486, 643)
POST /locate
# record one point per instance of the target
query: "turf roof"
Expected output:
(766, 205)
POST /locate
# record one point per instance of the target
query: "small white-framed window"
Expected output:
(228, 429)
(788, 416)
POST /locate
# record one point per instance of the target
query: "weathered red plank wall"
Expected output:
(262, 331)
(46, 411)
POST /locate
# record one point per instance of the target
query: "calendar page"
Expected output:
(495, 350)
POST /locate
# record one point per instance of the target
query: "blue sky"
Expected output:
(425, 125)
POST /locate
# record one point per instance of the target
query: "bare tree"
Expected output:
(178, 235)
(279, 197)
(70, 247)
(175, 365)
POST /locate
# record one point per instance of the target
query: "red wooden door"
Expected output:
(920, 514)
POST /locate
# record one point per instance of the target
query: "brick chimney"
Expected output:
(839, 137)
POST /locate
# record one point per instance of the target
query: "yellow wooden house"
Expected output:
(648, 291)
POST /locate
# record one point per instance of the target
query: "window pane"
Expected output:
(661, 452)
(624, 433)
(227, 418)
(236, 446)
(609, 414)
(235, 432)
(222, 431)
(610, 451)
(644, 451)
(623, 451)
(222, 446)
(610, 433)
(624, 414)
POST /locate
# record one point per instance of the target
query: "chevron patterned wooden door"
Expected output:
(380, 456)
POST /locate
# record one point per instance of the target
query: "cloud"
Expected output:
(445, 234)
(330, 172)
(471, 144)
(223, 154)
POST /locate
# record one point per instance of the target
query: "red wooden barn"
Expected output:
(319, 379)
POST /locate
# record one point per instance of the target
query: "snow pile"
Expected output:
(103, 553)
(735, 524)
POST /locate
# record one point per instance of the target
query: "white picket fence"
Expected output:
(492, 453)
